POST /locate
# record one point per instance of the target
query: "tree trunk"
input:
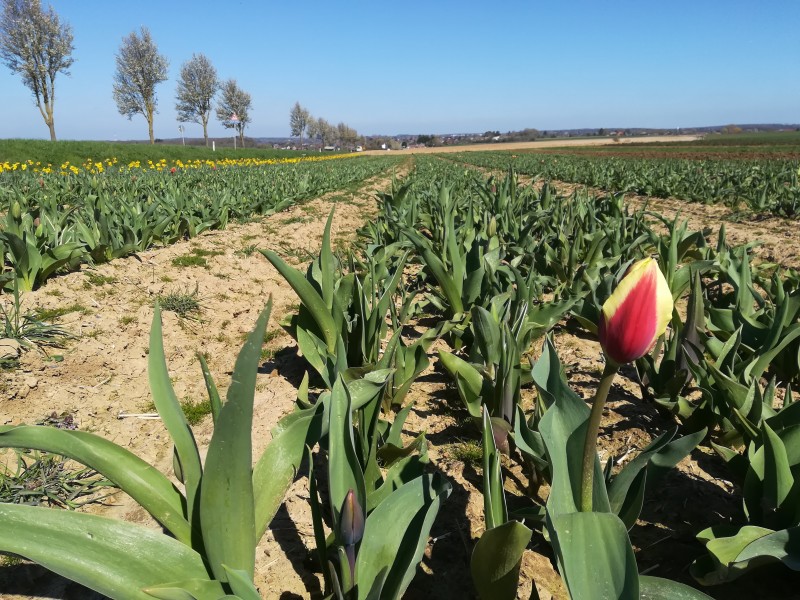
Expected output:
(52, 127)
(205, 132)
(149, 116)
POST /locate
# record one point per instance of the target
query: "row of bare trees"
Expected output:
(301, 121)
(36, 44)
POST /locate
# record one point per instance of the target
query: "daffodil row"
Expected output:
(112, 164)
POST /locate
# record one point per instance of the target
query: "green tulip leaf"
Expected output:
(496, 560)
(172, 416)
(112, 557)
(144, 483)
(594, 555)
(395, 537)
(227, 512)
(195, 589)
(657, 588)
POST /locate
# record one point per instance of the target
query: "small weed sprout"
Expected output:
(184, 303)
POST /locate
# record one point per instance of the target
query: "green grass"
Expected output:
(247, 250)
(195, 412)
(96, 279)
(183, 303)
(45, 479)
(51, 314)
(206, 253)
(467, 451)
(189, 260)
(196, 258)
(296, 219)
(76, 153)
(28, 328)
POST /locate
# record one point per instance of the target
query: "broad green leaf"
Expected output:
(723, 562)
(142, 482)
(657, 588)
(401, 472)
(195, 589)
(211, 388)
(278, 465)
(496, 560)
(172, 416)
(451, 285)
(778, 479)
(115, 558)
(227, 512)
(344, 470)
(595, 555)
(495, 512)
(326, 264)
(563, 430)
(468, 379)
(396, 535)
(308, 296)
(242, 584)
(366, 388)
(783, 546)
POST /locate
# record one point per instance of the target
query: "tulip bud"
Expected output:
(351, 525)
(492, 227)
(636, 313)
(16, 210)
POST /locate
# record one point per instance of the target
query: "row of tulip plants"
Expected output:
(55, 223)
(762, 186)
(499, 265)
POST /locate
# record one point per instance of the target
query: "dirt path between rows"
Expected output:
(103, 374)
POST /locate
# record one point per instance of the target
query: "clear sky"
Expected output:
(439, 66)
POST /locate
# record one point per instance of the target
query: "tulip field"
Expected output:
(430, 376)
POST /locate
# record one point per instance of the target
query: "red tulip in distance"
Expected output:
(636, 313)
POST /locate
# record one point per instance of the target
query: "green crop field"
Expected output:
(324, 336)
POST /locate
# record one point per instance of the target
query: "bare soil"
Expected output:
(103, 376)
(543, 144)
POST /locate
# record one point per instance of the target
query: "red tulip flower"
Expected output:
(172, 170)
(632, 319)
(636, 313)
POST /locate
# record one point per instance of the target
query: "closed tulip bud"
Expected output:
(16, 210)
(636, 313)
(351, 525)
(492, 227)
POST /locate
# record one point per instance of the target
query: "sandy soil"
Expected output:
(544, 144)
(103, 375)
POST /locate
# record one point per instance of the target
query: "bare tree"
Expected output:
(197, 86)
(140, 68)
(298, 121)
(37, 45)
(234, 101)
(327, 132)
(312, 128)
(347, 135)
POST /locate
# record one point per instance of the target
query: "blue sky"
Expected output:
(439, 66)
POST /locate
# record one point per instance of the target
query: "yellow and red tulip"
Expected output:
(636, 313)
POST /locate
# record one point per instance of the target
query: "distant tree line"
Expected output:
(318, 130)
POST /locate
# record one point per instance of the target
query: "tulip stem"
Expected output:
(592, 429)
